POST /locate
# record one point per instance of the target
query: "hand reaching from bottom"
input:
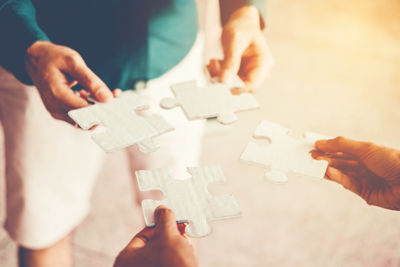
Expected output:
(165, 245)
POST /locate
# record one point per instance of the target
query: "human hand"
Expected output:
(165, 245)
(246, 52)
(55, 69)
(369, 170)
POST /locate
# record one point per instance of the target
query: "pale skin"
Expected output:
(165, 245)
(246, 52)
(369, 170)
(55, 69)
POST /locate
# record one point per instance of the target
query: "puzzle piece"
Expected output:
(123, 126)
(285, 153)
(214, 100)
(188, 198)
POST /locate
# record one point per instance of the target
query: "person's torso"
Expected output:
(122, 40)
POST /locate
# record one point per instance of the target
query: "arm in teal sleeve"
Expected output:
(18, 30)
(229, 6)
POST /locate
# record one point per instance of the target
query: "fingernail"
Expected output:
(103, 94)
(117, 92)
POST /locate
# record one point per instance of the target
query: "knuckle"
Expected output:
(368, 146)
(94, 86)
(369, 201)
(368, 151)
(58, 93)
(229, 33)
(340, 140)
(73, 59)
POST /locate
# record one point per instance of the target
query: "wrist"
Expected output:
(32, 55)
(249, 15)
(36, 47)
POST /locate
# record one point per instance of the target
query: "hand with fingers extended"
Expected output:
(245, 48)
(165, 245)
(55, 69)
(369, 170)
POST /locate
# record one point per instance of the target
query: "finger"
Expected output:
(257, 62)
(254, 74)
(84, 94)
(117, 92)
(241, 90)
(78, 70)
(255, 67)
(315, 154)
(345, 180)
(254, 78)
(182, 231)
(233, 48)
(214, 67)
(341, 164)
(337, 155)
(344, 145)
(73, 83)
(64, 94)
(165, 222)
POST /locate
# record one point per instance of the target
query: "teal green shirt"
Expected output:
(121, 40)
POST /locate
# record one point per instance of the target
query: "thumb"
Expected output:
(79, 71)
(344, 145)
(165, 222)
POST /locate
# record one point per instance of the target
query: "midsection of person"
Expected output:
(121, 41)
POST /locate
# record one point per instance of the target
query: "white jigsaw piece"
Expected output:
(189, 198)
(123, 126)
(285, 153)
(214, 100)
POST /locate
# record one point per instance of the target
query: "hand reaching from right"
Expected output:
(369, 170)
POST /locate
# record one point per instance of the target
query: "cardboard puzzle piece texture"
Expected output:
(123, 127)
(214, 100)
(284, 153)
(189, 198)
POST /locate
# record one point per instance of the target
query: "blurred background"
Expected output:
(337, 73)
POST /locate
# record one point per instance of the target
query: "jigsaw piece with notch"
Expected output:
(123, 126)
(284, 153)
(189, 198)
(213, 100)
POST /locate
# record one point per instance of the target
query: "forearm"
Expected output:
(230, 6)
(18, 30)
